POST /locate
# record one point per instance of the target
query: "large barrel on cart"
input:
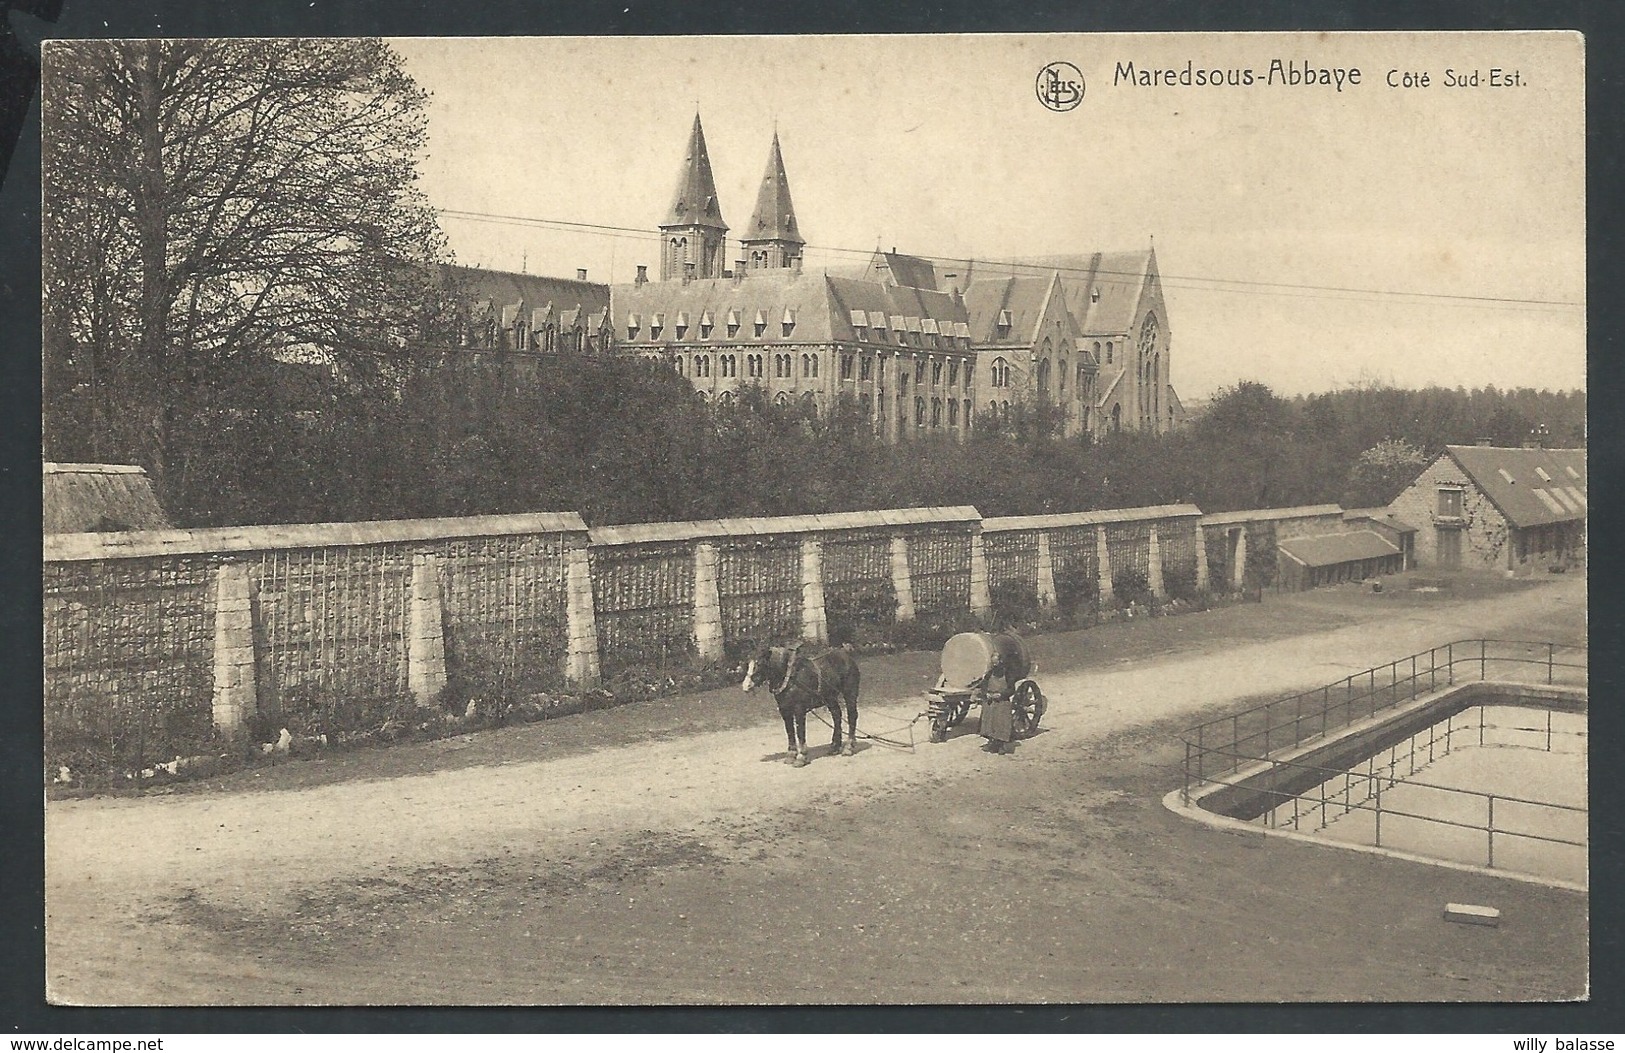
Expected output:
(977, 668)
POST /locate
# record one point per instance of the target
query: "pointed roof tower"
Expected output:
(775, 216)
(695, 203)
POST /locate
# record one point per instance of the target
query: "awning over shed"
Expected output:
(1328, 550)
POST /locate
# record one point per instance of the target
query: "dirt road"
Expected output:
(696, 867)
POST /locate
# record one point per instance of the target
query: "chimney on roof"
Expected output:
(688, 273)
(1537, 438)
(581, 274)
(738, 274)
(643, 276)
(795, 264)
(1483, 441)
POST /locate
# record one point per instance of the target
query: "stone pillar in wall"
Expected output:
(707, 603)
(902, 582)
(1238, 573)
(581, 664)
(1202, 580)
(236, 701)
(1154, 572)
(981, 604)
(425, 633)
(814, 627)
(1103, 566)
(1046, 572)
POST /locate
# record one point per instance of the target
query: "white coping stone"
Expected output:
(1470, 914)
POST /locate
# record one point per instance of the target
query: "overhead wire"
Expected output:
(1187, 282)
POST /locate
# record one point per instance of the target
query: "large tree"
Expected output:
(212, 207)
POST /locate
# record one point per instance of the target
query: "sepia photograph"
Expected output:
(879, 520)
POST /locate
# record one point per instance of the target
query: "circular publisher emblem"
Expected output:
(1060, 86)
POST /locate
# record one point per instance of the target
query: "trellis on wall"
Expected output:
(159, 638)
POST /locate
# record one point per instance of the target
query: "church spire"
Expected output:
(695, 203)
(694, 236)
(772, 237)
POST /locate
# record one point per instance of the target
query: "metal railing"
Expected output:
(1362, 791)
(1212, 756)
(1223, 745)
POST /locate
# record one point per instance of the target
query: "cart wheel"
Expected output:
(960, 711)
(1028, 707)
(939, 728)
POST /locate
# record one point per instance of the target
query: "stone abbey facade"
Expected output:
(920, 346)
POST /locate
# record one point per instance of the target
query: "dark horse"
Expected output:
(800, 684)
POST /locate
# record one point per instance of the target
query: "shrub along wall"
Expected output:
(162, 643)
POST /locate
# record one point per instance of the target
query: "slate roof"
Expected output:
(505, 289)
(822, 305)
(988, 298)
(1530, 487)
(1328, 550)
(694, 204)
(1117, 276)
(894, 268)
(775, 217)
(80, 498)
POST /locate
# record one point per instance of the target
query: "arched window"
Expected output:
(781, 399)
(936, 413)
(936, 372)
(1117, 416)
(993, 406)
(1043, 378)
(919, 411)
(866, 404)
(967, 413)
(1001, 373)
(814, 364)
(1108, 352)
(953, 413)
(725, 399)
(1060, 378)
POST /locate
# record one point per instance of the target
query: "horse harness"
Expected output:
(792, 662)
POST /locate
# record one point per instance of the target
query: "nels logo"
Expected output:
(1060, 86)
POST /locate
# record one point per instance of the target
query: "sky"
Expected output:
(1309, 236)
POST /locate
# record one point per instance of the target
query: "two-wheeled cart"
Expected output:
(981, 668)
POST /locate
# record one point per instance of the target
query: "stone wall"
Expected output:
(169, 637)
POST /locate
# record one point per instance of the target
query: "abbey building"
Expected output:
(918, 346)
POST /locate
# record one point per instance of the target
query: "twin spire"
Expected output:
(771, 239)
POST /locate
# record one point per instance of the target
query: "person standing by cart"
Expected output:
(998, 708)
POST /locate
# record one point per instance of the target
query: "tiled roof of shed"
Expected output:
(1327, 550)
(79, 498)
(1531, 487)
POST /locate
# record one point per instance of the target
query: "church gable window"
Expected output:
(1001, 373)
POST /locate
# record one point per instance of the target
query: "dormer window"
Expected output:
(632, 326)
(761, 323)
(733, 321)
(682, 325)
(1094, 294)
(657, 322)
(789, 320)
(706, 325)
(1004, 323)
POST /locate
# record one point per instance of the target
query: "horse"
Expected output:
(800, 684)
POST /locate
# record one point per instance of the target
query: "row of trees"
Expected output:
(625, 440)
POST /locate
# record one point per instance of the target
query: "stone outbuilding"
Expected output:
(1498, 508)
